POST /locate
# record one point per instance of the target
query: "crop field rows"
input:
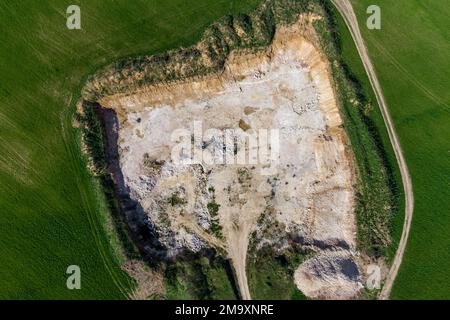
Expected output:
(51, 216)
(54, 212)
(410, 54)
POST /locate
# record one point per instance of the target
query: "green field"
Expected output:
(51, 213)
(411, 57)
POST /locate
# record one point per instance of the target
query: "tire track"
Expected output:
(346, 10)
(66, 117)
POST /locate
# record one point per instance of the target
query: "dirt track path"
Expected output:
(238, 246)
(346, 10)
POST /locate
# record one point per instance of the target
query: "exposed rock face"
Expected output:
(300, 176)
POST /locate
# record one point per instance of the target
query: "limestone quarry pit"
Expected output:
(307, 187)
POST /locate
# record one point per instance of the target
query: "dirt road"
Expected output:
(237, 251)
(346, 10)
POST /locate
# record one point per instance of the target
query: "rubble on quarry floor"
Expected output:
(207, 196)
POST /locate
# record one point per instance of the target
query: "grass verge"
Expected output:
(410, 55)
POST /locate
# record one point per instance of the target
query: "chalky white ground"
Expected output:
(310, 187)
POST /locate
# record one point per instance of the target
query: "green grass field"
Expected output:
(411, 56)
(51, 216)
(52, 213)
